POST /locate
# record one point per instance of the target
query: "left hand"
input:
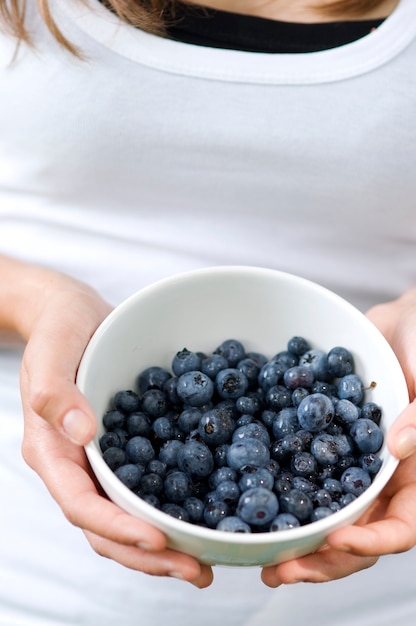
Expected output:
(389, 526)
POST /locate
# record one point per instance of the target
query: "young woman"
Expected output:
(140, 139)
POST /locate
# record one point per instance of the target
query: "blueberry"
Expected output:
(333, 487)
(285, 359)
(177, 486)
(189, 419)
(231, 383)
(249, 404)
(350, 387)
(195, 459)
(244, 420)
(321, 498)
(254, 430)
(298, 345)
(370, 462)
(168, 452)
(278, 397)
(151, 483)
(156, 466)
(214, 512)
(270, 375)
(153, 377)
(346, 411)
(175, 510)
(256, 477)
(340, 362)
(355, 480)
(324, 449)
(185, 361)
(258, 506)
(114, 419)
(247, 453)
(298, 394)
(213, 364)
(320, 512)
(284, 521)
(129, 475)
(285, 422)
(304, 484)
(150, 498)
(154, 403)
(138, 424)
(127, 401)
(283, 482)
(315, 412)
(163, 429)
(195, 388)
(170, 389)
(233, 524)
(296, 502)
(194, 507)
(250, 369)
(221, 474)
(216, 426)
(317, 360)
(233, 350)
(298, 376)
(228, 491)
(372, 411)
(220, 454)
(368, 437)
(115, 457)
(109, 440)
(139, 450)
(303, 464)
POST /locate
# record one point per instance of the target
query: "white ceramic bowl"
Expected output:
(263, 309)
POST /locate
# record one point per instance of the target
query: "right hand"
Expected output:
(57, 316)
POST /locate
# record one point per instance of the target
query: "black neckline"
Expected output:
(221, 29)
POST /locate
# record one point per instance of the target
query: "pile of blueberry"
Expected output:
(239, 442)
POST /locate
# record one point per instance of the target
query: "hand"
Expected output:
(389, 526)
(57, 316)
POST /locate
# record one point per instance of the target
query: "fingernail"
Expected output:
(405, 443)
(76, 426)
(177, 575)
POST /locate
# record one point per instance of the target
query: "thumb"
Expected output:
(401, 437)
(48, 372)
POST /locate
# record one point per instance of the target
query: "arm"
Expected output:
(389, 526)
(56, 315)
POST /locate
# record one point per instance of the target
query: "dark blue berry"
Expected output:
(185, 361)
(233, 350)
(315, 412)
(258, 506)
(340, 362)
(195, 458)
(139, 450)
(195, 388)
(231, 383)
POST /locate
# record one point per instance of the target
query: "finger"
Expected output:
(164, 563)
(51, 360)
(401, 437)
(64, 469)
(322, 566)
(394, 533)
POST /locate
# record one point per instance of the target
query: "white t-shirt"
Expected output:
(151, 157)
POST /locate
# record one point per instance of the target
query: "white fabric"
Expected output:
(151, 157)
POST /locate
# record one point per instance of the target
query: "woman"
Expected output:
(139, 141)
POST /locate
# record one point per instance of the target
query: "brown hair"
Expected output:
(149, 15)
